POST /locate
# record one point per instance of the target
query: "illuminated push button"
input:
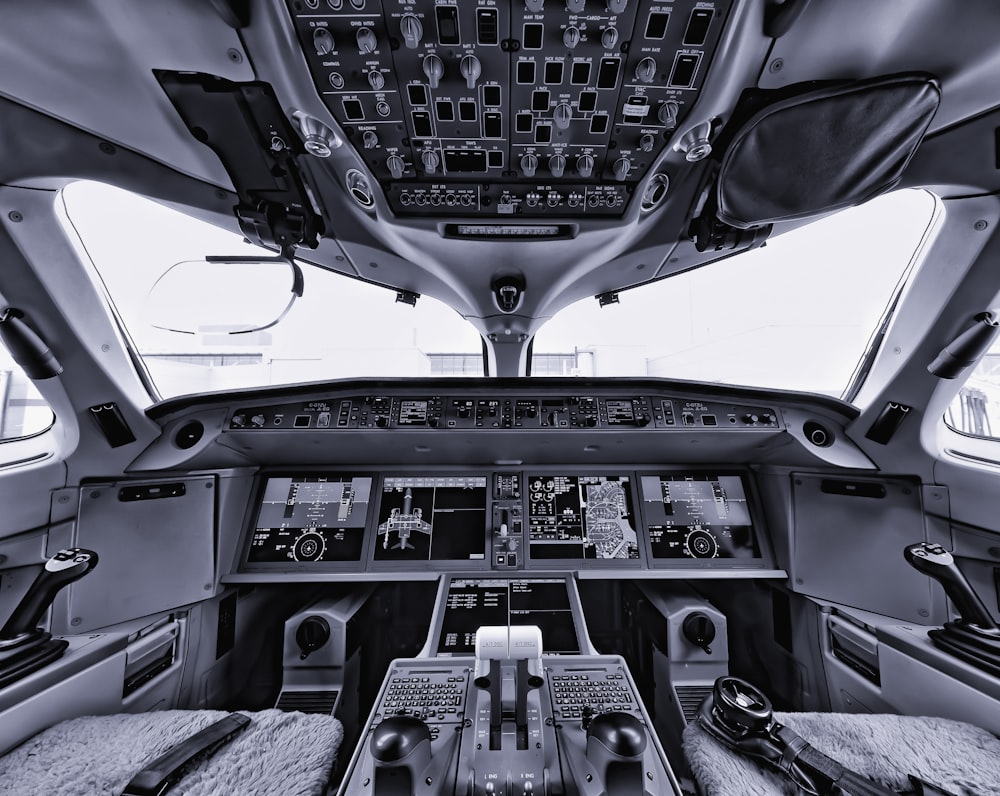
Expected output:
(322, 41)
(609, 38)
(366, 41)
(529, 164)
(557, 165)
(396, 166)
(562, 115)
(571, 37)
(645, 70)
(434, 69)
(621, 168)
(370, 139)
(430, 160)
(585, 165)
(376, 80)
(412, 31)
(471, 69)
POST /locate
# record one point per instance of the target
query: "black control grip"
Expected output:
(936, 562)
(62, 569)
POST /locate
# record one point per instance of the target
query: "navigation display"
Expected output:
(581, 517)
(311, 518)
(472, 604)
(432, 518)
(698, 516)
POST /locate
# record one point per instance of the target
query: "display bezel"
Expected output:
(577, 564)
(763, 559)
(261, 480)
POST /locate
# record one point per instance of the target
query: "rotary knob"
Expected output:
(258, 421)
(621, 168)
(370, 139)
(471, 69)
(585, 165)
(645, 70)
(412, 31)
(562, 115)
(617, 6)
(366, 41)
(322, 41)
(534, 6)
(668, 114)
(396, 166)
(557, 165)
(430, 160)
(434, 69)
(376, 80)
(609, 38)
(646, 143)
(529, 163)
(571, 37)
(575, 6)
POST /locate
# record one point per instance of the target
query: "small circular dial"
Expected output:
(309, 547)
(701, 544)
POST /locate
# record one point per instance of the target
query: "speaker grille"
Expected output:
(690, 698)
(308, 701)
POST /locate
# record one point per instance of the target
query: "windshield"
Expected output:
(758, 319)
(339, 328)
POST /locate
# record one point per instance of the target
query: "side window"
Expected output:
(976, 409)
(23, 411)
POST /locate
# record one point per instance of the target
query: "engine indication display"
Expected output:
(698, 516)
(581, 517)
(432, 518)
(315, 518)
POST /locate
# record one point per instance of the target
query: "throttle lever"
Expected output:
(62, 569)
(936, 562)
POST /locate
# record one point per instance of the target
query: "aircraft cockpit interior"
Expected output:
(500, 397)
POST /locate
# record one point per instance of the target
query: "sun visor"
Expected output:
(824, 149)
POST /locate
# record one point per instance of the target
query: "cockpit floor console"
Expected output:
(583, 731)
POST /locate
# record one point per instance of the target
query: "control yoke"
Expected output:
(24, 647)
(975, 636)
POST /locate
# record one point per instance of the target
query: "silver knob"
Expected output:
(557, 165)
(434, 69)
(646, 143)
(529, 163)
(621, 168)
(396, 166)
(645, 70)
(430, 160)
(617, 6)
(575, 6)
(376, 80)
(412, 31)
(322, 41)
(668, 114)
(370, 139)
(609, 38)
(585, 165)
(366, 41)
(562, 114)
(571, 37)
(471, 69)
(534, 6)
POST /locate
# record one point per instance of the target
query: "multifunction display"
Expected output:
(432, 518)
(472, 604)
(581, 517)
(311, 518)
(703, 515)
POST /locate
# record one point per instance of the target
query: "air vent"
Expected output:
(189, 435)
(818, 435)
(690, 698)
(308, 701)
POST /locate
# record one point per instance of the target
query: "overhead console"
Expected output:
(370, 525)
(494, 110)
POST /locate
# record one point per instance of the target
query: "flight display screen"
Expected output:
(472, 604)
(581, 517)
(432, 518)
(311, 518)
(698, 516)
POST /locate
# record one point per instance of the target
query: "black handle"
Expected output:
(62, 569)
(936, 562)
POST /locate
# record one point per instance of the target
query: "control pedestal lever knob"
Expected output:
(585, 165)
(471, 69)
(62, 569)
(433, 67)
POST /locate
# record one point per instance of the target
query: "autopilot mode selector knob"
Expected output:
(433, 67)
(412, 30)
(367, 43)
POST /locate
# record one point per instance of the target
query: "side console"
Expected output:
(509, 722)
